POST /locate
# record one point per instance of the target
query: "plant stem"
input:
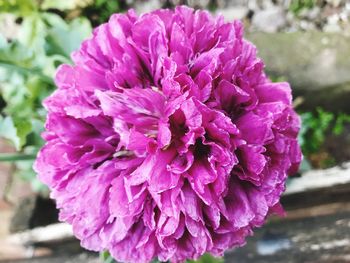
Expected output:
(12, 157)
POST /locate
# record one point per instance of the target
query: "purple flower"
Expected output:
(166, 139)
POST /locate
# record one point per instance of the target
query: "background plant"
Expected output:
(39, 42)
(315, 129)
(296, 6)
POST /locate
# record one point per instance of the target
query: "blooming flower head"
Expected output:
(166, 139)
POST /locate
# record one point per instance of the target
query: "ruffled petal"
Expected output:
(166, 139)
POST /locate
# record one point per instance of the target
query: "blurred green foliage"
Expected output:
(28, 61)
(316, 126)
(101, 10)
(313, 130)
(296, 6)
(341, 120)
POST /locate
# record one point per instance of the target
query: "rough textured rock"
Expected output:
(147, 6)
(231, 3)
(316, 64)
(198, 3)
(232, 13)
(269, 20)
(269, 15)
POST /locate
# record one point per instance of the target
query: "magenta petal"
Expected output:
(166, 138)
(230, 95)
(161, 178)
(254, 129)
(191, 203)
(253, 163)
(120, 205)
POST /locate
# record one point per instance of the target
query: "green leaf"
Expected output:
(64, 38)
(52, 62)
(340, 122)
(23, 127)
(16, 54)
(314, 129)
(26, 71)
(34, 137)
(32, 34)
(296, 6)
(100, 11)
(25, 55)
(15, 130)
(106, 257)
(9, 131)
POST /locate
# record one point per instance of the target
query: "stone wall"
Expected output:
(317, 65)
